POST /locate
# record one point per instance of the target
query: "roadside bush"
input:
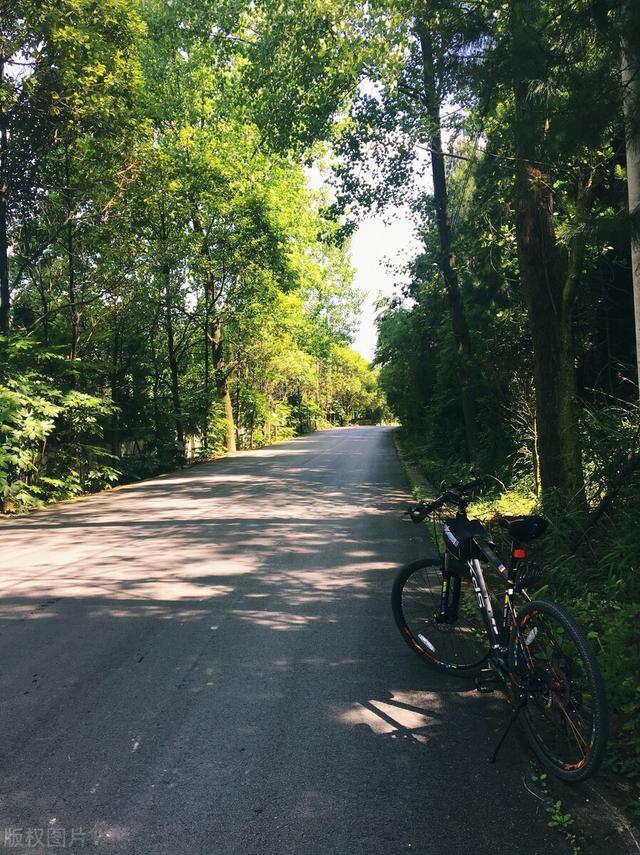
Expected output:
(50, 443)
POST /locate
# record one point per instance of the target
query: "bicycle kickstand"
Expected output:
(514, 715)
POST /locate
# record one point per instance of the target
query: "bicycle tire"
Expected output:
(459, 648)
(565, 713)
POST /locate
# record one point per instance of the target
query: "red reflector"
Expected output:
(519, 553)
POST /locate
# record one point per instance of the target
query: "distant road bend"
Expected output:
(206, 663)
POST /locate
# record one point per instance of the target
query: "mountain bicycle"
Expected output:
(532, 648)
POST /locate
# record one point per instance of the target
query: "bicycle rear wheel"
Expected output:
(555, 668)
(459, 647)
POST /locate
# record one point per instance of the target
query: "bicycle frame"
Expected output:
(485, 605)
(450, 596)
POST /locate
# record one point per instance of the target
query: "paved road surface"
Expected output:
(206, 663)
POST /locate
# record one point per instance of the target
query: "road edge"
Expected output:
(420, 487)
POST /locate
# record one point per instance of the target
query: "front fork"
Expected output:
(449, 595)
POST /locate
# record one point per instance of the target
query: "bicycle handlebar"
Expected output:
(449, 495)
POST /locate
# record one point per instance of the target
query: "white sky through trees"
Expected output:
(380, 248)
(378, 243)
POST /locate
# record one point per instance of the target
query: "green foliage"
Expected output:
(50, 442)
(558, 818)
(612, 625)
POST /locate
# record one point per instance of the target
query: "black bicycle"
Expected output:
(534, 649)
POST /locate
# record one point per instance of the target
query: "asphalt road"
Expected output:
(207, 663)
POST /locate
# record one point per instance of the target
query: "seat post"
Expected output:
(512, 558)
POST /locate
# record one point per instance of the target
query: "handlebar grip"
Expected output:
(418, 513)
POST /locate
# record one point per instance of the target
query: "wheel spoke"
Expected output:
(454, 644)
(564, 715)
(581, 742)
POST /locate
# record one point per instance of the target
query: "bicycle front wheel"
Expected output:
(459, 646)
(565, 711)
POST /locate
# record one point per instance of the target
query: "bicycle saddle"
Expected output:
(524, 528)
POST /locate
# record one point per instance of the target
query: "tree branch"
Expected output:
(584, 203)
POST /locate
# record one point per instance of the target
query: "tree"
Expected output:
(69, 76)
(630, 74)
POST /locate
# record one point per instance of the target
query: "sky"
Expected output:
(377, 242)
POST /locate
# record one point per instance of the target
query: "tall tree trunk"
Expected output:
(171, 353)
(73, 308)
(630, 72)
(205, 426)
(535, 457)
(42, 292)
(549, 288)
(174, 370)
(213, 337)
(222, 382)
(115, 390)
(236, 416)
(156, 382)
(446, 261)
(5, 296)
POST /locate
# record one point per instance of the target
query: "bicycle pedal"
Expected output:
(487, 683)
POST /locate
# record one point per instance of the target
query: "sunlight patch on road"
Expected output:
(275, 452)
(274, 620)
(394, 716)
(142, 609)
(408, 719)
(358, 714)
(423, 700)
